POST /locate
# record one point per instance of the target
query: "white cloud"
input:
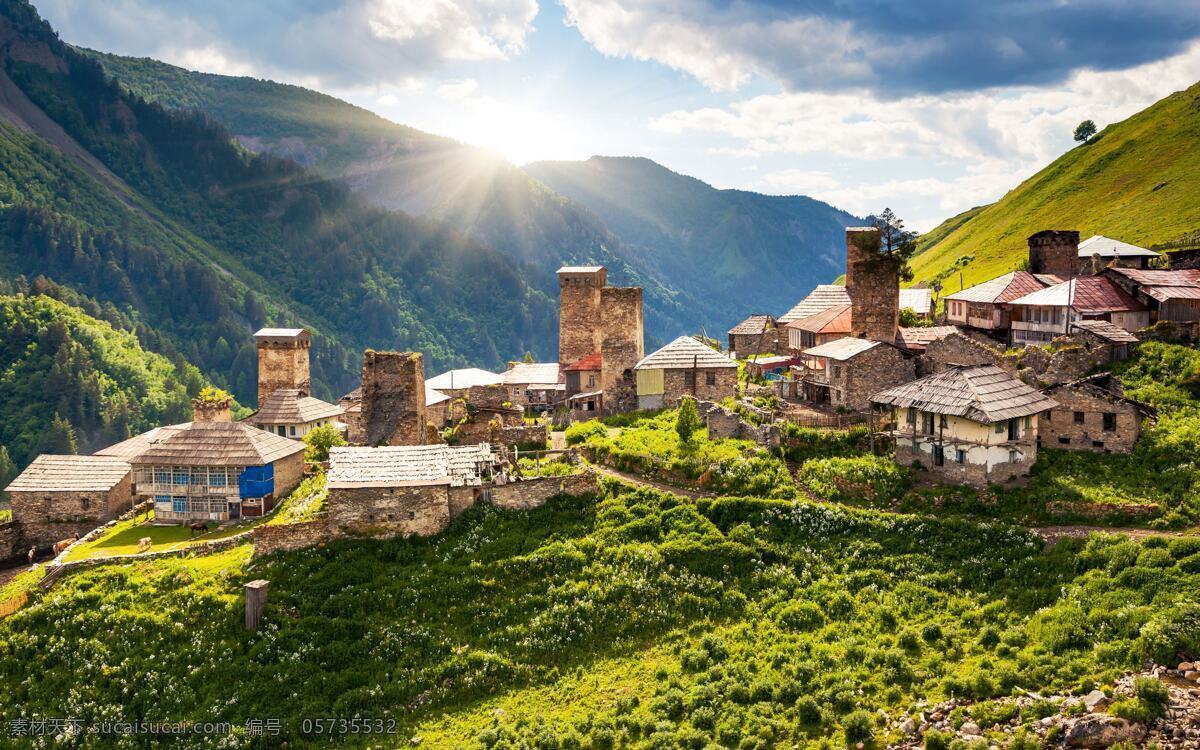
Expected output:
(464, 29)
(458, 90)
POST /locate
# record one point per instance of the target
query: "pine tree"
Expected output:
(60, 439)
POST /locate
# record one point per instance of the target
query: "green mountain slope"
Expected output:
(1137, 181)
(766, 248)
(56, 361)
(162, 215)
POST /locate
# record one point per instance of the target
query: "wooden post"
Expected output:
(256, 602)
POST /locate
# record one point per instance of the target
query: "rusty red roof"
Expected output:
(1087, 294)
(585, 364)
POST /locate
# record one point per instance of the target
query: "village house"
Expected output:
(1041, 316)
(823, 297)
(1093, 414)
(285, 404)
(456, 383)
(771, 368)
(535, 386)
(684, 367)
(986, 306)
(757, 334)
(64, 497)
(211, 469)
(582, 385)
(971, 424)
(917, 340)
(1116, 342)
(1169, 295)
(919, 300)
(1098, 252)
(405, 490)
(819, 328)
(291, 414)
(845, 373)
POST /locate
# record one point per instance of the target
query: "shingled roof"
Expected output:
(50, 473)
(823, 297)
(753, 325)
(982, 393)
(919, 338)
(287, 406)
(684, 353)
(1006, 288)
(833, 320)
(1105, 330)
(532, 373)
(1087, 294)
(408, 465)
(205, 444)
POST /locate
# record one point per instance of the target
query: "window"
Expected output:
(516, 391)
(180, 475)
(689, 379)
(591, 381)
(85, 502)
(912, 415)
(927, 425)
(939, 456)
(1078, 417)
(1014, 429)
(162, 475)
(162, 502)
(281, 431)
(292, 430)
(216, 477)
(999, 427)
(942, 421)
(179, 504)
(837, 371)
(1029, 423)
(1110, 421)
(1064, 441)
(1013, 457)
(412, 515)
(1097, 443)
(710, 378)
(960, 455)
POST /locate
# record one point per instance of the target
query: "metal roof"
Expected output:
(409, 465)
(823, 297)
(526, 373)
(205, 444)
(580, 269)
(753, 325)
(1164, 293)
(683, 353)
(983, 393)
(919, 300)
(1106, 330)
(287, 406)
(585, 364)
(434, 397)
(831, 321)
(456, 380)
(1012, 285)
(50, 473)
(279, 333)
(1107, 247)
(1181, 277)
(1096, 294)
(841, 349)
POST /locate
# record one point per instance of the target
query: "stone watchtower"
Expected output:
(393, 398)
(283, 361)
(622, 345)
(579, 311)
(1055, 251)
(220, 410)
(873, 284)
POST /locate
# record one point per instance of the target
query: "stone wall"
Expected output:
(1055, 252)
(393, 398)
(622, 345)
(1172, 331)
(289, 471)
(750, 344)
(726, 423)
(957, 349)
(1066, 360)
(269, 539)
(9, 540)
(861, 377)
(390, 511)
(533, 493)
(579, 314)
(44, 518)
(675, 384)
(283, 363)
(873, 283)
(494, 396)
(974, 474)
(1078, 422)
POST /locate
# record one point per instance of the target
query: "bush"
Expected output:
(582, 431)
(857, 727)
(936, 740)
(687, 420)
(875, 480)
(802, 616)
(319, 440)
(1152, 692)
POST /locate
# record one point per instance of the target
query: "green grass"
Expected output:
(1136, 182)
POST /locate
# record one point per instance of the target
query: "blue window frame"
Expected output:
(162, 475)
(162, 501)
(179, 504)
(216, 477)
(180, 475)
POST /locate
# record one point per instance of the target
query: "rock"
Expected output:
(1094, 700)
(1192, 675)
(971, 729)
(1186, 666)
(908, 727)
(1098, 731)
(925, 726)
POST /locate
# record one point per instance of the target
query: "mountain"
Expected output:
(765, 251)
(160, 214)
(1136, 181)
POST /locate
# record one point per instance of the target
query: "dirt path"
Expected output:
(649, 483)
(1053, 533)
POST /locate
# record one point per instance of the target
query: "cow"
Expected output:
(201, 526)
(62, 544)
(144, 544)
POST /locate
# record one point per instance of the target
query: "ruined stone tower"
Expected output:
(873, 284)
(1054, 251)
(212, 411)
(283, 361)
(621, 345)
(579, 311)
(393, 398)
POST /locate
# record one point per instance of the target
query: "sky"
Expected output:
(929, 107)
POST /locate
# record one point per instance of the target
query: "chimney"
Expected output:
(283, 361)
(1055, 251)
(873, 285)
(209, 410)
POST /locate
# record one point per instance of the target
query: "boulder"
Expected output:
(970, 729)
(1098, 731)
(908, 727)
(1192, 675)
(1095, 700)
(1186, 666)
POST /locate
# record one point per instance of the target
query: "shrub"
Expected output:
(687, 420)
(857, 727)
(319, 440)
(582, 431)
(808, 712)
(937, 740)
(1152, 692)
(802, 616)
(870, 479)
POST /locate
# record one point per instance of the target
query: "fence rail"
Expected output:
(831, 422)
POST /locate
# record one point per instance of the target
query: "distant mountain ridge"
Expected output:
(708, 280)
(1136, 181)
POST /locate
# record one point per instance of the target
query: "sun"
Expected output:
(519, 133)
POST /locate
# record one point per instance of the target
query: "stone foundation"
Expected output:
(390, 511)
(533, 493)
(292, 536)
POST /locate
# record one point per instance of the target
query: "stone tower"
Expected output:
(212, 411)
(393, 398)
(873, 284)
(283, 361)
(579, 311)
(1055, 251)
(621, 345)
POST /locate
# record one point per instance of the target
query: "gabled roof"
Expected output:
(1106, 247)
(917, 339)
(523, 373)
(1006, 288)
(205, 444)
(1106, 330)
(753, 325)
(823, 297)
(49, 473)
(1181, 277)
(831, 321)
(286, 406)
(580, 269)
(409, 465)
(1165, 293)
(982, 393)
(841, 349)
(585, 364)
(919, 300)
(457, 380)
(684, 352)
(1087, 294)
(434, 397)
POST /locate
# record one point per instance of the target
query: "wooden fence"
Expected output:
(830, 422)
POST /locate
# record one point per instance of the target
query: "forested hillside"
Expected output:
(1136, 181)
(71, 383)
(162, 215)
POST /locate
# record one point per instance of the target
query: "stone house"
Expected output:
(1098, 252)
(1043, 315)
(823, 297)
(289, 413)
(1170, 295)
(985, 306)
(917, 339)
(581, 383)
(757, 334)
(1093, 414)
(211, 469)
(955, 349)
(847, 372)
(819, 328)
(974, 425)
(405, 490)
(535, 386)
(684, 367)
(456, 383)
(60, 497)
(1117, 343)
